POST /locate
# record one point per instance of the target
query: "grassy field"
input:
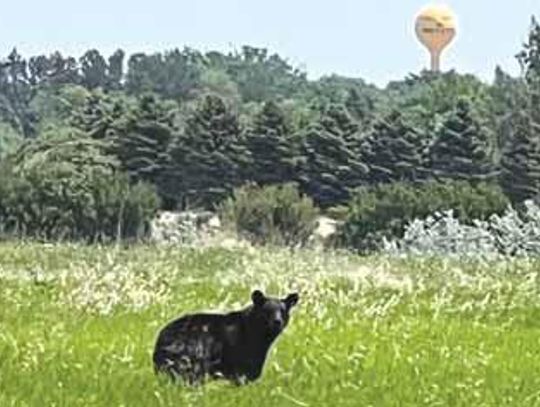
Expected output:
(78, 324)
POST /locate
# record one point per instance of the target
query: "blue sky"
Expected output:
(372, 39)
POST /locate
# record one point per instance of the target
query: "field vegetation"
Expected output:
(78, 325)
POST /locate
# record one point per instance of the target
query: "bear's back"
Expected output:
(196, 340)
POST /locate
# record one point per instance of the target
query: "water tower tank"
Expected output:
(436, 28)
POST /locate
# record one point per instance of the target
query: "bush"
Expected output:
(270, 215)
(67, 188)
(123, 210)
(383, 212)
(443, 234)
(512, 234)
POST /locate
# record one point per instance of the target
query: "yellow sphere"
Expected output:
(436, 28)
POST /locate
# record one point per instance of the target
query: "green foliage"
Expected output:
(139, 130)
(9, 140)
(93, 70)
(196, 125)
(123, 210)
(16, 95)
(270, 215)
(67, 188)
(462, 149)
(101, 114)
(360, 98)
(53, 70)
(218, 82)
(509, 96)
(272, 147)
(260, 76)
(299, 114)
(141, 142)
(520, 162)
(331, 164)
(174, 74)
(520, 159)
(138, 133)
(384, 211)
(425, 99)
(393, 151)
(361, 107)
(115, 70)
(56, 105)
(529, 58)
(209, 157)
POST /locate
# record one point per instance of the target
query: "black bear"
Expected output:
(231, 346)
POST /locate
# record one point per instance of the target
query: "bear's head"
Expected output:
(272, 314)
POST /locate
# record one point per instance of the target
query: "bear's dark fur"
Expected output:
(232, 346)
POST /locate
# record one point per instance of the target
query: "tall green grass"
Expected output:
(78, 324)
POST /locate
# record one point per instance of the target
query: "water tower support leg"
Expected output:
(436, 61)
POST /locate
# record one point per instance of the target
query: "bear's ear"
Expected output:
(258, 298)
(291, 300)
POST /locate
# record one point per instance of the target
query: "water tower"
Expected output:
(436, 28)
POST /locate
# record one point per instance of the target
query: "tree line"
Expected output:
(195, 126)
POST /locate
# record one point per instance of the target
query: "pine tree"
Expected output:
(360, 107)
(461, 150)
(529, 59)
(99, 115)
(209, 157)
(142, 142)
(508, 95)
(393, 151)
(271, 146)
(331, 164)
(520, 162)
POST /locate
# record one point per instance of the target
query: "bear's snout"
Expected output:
(276, 324)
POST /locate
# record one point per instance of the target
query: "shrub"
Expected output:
(383, 212)
(67, 188)
(443, 234)
(512, 234)
(123, 210)
(270, 215)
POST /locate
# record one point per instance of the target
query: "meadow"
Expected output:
(78, 325)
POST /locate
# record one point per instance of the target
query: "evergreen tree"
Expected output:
(508, 96)
(520, 162)
(271, 146)
(100, 115)
(529, 59)
(209, 157)
(360, 107)
(461, 150)
(142, 142)
(393, 151)
(331, 166)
